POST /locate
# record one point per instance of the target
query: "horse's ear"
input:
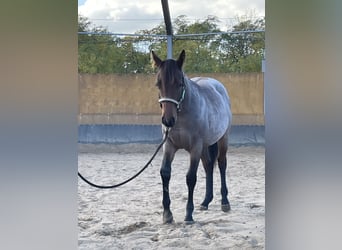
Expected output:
(156, 61)
(180, 59)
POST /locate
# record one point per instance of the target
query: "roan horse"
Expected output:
(197, 114)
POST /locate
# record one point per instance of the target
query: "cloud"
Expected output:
(130, 16)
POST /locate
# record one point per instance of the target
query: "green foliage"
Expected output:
(101, 53)
(240, 52)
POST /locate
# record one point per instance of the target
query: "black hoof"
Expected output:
(167, 217)
(202, 207)
(225, 207)
(189, 222)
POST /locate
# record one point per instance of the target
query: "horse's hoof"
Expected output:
(202, 207)
(167, 217)
(225, 207)
(189, 222)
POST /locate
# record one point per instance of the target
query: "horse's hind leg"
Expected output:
(209, 156)
(222, 163)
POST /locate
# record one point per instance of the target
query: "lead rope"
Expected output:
(134, 176)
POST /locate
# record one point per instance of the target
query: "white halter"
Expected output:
(166, 99)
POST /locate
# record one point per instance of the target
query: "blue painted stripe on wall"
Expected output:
(119, 134)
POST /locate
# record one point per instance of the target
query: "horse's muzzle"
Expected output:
(168, 122)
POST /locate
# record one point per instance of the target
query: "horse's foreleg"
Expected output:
(191, 178)
(222, 163)
(165, 173)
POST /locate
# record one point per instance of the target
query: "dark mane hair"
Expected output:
(168, 69)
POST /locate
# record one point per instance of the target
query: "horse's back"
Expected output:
(217, 111)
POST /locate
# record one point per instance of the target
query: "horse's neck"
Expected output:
(190, 93)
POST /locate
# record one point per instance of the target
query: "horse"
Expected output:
(196, 115)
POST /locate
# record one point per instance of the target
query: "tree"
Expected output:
(101, 53)
(201, 50)
(244, 51)
(93, 50)
(241, 52)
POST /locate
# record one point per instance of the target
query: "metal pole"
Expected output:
(169, 46)
(168, 25)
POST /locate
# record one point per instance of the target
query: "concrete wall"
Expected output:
(133, 98)
(130, 133)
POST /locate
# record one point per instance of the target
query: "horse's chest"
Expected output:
(182, 138)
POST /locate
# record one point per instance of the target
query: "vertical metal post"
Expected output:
(169, 46)
(168, 25)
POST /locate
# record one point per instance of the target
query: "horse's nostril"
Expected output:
(168, 122)
(172, 122)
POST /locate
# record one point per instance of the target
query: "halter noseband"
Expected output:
(166, 99)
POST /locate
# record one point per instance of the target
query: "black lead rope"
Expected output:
(134, 176)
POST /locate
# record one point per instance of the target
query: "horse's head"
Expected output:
(171, 85)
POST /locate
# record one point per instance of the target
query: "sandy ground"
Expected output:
(130, 217)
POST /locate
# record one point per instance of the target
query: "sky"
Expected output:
(129, 16)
